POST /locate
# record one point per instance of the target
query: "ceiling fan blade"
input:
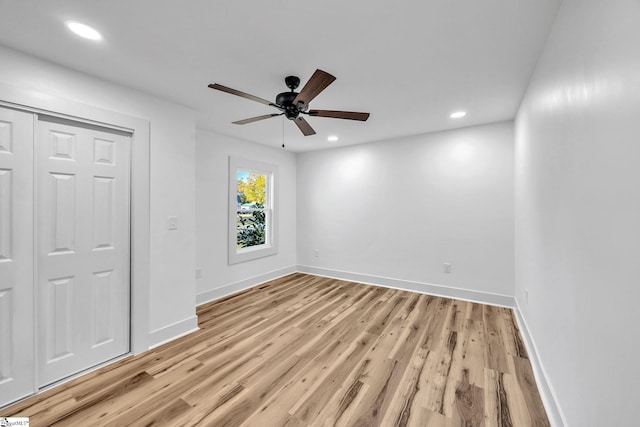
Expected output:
(316, 84)
(349, 115)
(304, 126)
(239, 93)
(255, 119)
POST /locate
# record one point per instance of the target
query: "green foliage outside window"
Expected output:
(253, 188)
(251, 229)
(251, 226)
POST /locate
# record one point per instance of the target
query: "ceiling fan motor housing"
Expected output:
(285, 100)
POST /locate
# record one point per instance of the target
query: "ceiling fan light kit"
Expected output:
(292, 104)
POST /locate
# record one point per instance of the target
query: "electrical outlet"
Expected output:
(172, 223)
(316, 253)
(526, 295)
(198, 273)
(447, 268)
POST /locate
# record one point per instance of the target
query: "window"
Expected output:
(252, 210)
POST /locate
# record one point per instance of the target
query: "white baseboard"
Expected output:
(242, 285)
(173, 331)
(407, 285)
(554, 413)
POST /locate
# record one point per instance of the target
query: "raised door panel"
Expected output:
(16, 256)
(103, 212)
(6, 214)
(59, 319)
(7, 131)
(61, 205)
(6, 334)
(102, 321)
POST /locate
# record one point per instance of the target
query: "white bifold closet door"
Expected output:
(17, 374)
(83, 280)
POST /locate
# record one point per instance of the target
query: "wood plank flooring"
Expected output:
(310, 351)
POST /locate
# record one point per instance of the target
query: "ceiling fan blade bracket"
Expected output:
(302, 107)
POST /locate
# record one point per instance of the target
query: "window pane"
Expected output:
(253, 201)
(251, 227)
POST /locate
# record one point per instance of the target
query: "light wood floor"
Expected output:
(310, 351)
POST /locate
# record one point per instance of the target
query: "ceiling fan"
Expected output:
(293, 104)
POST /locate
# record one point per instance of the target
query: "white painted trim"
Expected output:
(407, 285)
(38, 102)
(232, 288)
(140, 238)
(173, 331)
(551, 405)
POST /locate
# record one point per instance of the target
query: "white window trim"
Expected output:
(271, 246)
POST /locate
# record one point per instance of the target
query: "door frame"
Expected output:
(41, 103)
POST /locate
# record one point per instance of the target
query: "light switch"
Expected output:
(172, 223)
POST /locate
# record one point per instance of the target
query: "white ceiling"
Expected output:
(409, 63)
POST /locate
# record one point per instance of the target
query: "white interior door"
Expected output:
(16, 255)
(83, 247)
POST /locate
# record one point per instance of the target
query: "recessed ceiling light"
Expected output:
(332, 138)
(83, 30)
(458, 114)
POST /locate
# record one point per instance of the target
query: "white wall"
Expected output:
(219, 278)
(172, 169)
(401, 208)
(578, 211)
